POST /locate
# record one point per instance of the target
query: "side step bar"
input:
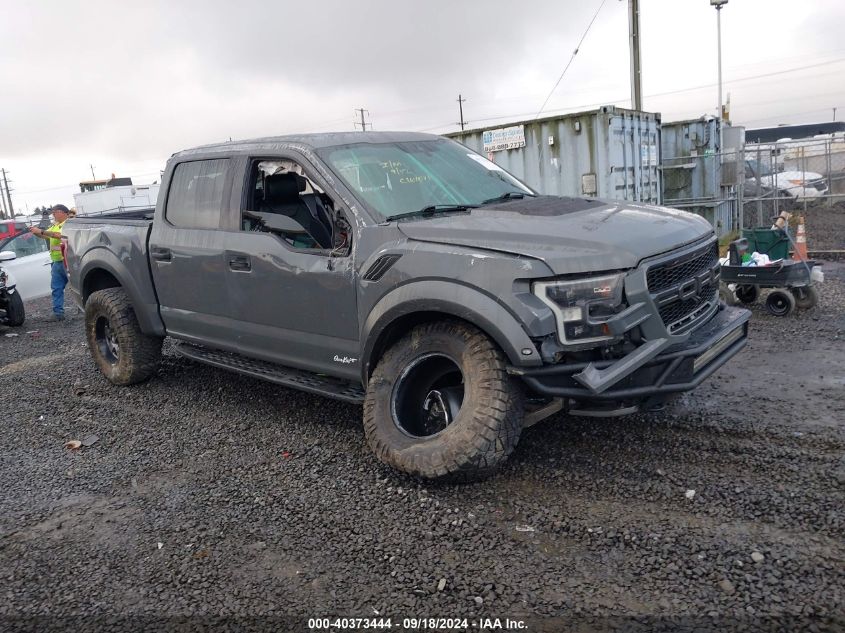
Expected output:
(294, 378)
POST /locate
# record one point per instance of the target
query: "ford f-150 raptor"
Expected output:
(408, 273)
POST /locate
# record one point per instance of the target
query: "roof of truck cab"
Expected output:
(314, 141)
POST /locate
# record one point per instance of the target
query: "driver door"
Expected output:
(291, 301)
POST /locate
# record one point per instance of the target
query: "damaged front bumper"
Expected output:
(679, 367)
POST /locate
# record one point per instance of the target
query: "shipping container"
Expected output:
(697, 176)
(606, 153)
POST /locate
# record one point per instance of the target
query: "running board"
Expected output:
(294, 378)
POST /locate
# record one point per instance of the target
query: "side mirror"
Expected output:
(6, 256)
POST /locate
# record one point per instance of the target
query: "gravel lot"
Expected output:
(209, 494)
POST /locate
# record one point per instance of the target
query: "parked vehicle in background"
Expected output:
(8, 228)
(797, 185)
(408, 273)
(12, 311)
(31, 265)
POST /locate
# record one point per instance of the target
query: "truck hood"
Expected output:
(571, 235)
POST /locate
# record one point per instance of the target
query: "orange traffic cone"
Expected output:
(800, 242)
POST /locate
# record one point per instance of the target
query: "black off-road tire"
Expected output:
(15, 313)
(485, 430)
(806, 297)
(138, 354)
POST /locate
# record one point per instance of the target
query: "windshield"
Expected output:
(396, 178)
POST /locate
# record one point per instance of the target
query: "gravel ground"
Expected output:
(210, 494)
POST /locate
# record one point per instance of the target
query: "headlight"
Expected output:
(581, 306)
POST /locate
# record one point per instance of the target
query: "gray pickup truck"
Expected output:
(405, 272)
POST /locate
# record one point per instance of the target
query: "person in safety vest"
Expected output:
(58, 272)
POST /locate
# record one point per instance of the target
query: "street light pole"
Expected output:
(719, 4)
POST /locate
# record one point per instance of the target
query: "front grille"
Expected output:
(670, 274)
(685, 288)
(818, 184)
(678, 314)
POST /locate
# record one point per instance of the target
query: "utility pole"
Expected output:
(363, 123)
(634, 41)
(834, 113)
(461, 109)
(3, 212)
(11, 209)
(93, 177)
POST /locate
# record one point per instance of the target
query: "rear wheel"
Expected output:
(441, 405)
(806, 297)
(121, 350)
(780, 303)
(747, 294)
(15, 313)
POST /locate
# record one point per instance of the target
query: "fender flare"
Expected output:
(451, 299)
(145, 311)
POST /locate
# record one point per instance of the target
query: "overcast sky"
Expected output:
(122, 85)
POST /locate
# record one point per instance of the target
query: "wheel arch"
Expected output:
(106, 271)
(421, 302)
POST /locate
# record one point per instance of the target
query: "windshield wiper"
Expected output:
(509, 195)
(431, 210)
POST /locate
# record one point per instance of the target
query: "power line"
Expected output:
(656, 94)
(571, 59)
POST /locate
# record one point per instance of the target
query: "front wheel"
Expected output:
(441, 405)
(15, 313)
(121, 350)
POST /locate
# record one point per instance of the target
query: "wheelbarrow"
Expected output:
(793, 281)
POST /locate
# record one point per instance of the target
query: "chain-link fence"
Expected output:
(793, 176)
(705, 183)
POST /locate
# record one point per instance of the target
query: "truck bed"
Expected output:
(115, 246)
(118, 217)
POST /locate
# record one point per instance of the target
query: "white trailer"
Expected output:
(113, 199)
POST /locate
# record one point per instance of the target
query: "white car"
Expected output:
(797, 185)
(31, 266)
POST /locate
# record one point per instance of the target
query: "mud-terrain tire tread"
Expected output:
(139, 353)
(15, 312)
(492, 424)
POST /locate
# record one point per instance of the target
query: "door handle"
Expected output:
(240, 263)
(161, 254)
